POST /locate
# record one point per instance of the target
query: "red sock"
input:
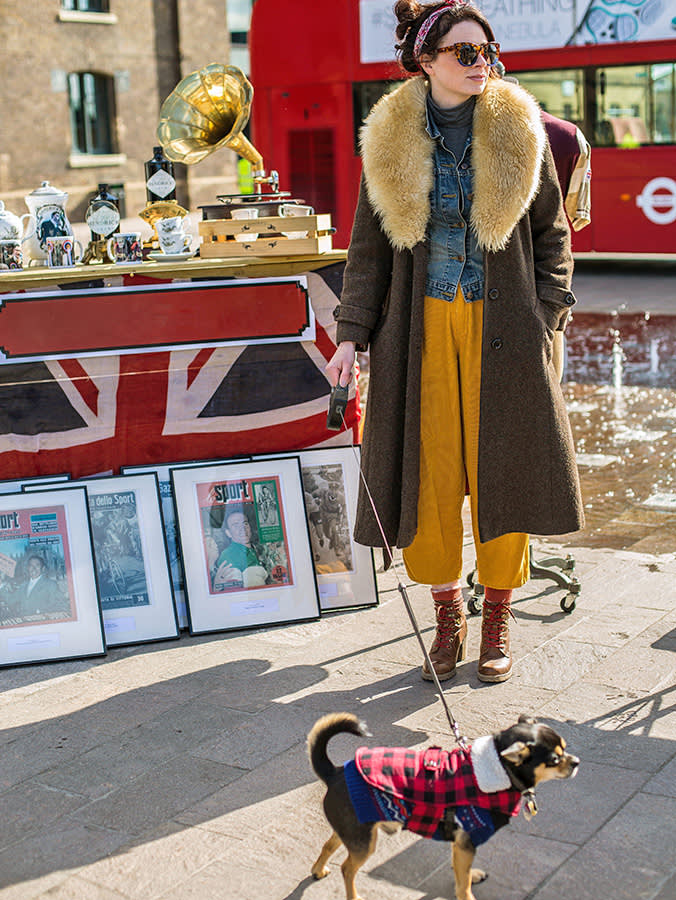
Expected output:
(450, 595)
(495, 595)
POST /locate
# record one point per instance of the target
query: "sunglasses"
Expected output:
(467, 54)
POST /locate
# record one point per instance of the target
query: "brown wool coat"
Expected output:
(528, 479)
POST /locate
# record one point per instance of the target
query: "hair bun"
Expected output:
(406, 11)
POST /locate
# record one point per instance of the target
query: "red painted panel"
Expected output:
(633, 211)
(142, 317)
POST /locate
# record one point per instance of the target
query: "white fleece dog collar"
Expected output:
(488, 770)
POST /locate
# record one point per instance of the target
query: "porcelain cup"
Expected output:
(295, 209)
(246, 213)
(171, 235)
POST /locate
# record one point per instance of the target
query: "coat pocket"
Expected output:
(553, 305)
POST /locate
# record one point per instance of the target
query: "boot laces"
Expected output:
(495, 625)
(449, 622)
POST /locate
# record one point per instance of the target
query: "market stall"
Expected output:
(166, 402)
(165, 362)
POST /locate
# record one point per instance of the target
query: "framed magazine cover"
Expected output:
(345, 570)
(168, 508)
(131, 558)
(49, 606)
(245, 545)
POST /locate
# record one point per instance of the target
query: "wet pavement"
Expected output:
(620, 385)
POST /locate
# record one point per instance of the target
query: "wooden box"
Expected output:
(267, 236)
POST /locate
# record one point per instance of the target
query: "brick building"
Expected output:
(81, 86)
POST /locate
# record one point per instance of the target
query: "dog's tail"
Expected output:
(322, 732)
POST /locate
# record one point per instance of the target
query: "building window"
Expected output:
(92, 112)
(100, 6)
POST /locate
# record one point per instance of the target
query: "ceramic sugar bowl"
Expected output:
(11, 226)
(48, 218)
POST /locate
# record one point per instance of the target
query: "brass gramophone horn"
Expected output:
(208, 109)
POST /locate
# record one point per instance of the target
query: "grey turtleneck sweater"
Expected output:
(454, 123)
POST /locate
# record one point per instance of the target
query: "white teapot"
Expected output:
(11, 226)
(47, 207)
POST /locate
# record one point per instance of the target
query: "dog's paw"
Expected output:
(478, 875)
(318, 873)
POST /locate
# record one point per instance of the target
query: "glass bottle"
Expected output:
(160, 182)
(103, 214)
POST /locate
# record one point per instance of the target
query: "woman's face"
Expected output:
(451, 83)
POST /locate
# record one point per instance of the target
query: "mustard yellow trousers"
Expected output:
(449, 443)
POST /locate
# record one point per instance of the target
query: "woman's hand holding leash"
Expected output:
(340, 367)
(339, 370)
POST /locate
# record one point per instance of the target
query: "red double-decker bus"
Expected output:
(607, 65)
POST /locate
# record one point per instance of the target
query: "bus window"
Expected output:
(558, 91)
(364, 95)
(614, 106)
(638, 103)
(663, 78)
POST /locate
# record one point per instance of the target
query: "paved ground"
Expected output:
(178, 770)
(624, 286)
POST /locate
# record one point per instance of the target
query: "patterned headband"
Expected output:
(427, 25)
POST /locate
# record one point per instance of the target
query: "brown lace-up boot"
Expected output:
(450, 642)
(495, 659)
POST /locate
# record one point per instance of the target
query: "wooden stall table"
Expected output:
(107, 365)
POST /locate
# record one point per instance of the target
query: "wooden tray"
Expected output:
(218, 236)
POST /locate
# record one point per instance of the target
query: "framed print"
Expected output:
(345, 570)
(168, 508)
(49, 606)
(16, 485)
(245, 545)
(131, 558)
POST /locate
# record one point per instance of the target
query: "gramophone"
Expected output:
(208, 110)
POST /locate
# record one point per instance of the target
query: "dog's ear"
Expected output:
(517, 753)
(526, 720)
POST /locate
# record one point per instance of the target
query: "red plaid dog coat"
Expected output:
(417, 787)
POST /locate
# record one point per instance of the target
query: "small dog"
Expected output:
(462, 796)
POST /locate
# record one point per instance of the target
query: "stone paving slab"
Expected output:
(179, 770)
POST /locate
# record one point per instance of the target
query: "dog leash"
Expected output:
(336, 415)
(336, 422)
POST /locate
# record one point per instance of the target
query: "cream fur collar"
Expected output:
(508, 141)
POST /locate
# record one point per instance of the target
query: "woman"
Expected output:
(458, 274)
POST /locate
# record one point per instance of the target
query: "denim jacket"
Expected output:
(455, 257)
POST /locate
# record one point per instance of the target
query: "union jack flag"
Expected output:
(92, 414)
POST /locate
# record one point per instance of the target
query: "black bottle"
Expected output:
(160, 183)
(103, 213)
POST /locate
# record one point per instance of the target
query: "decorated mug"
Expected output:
(125, 247)
(61, 251)
(11, 256)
